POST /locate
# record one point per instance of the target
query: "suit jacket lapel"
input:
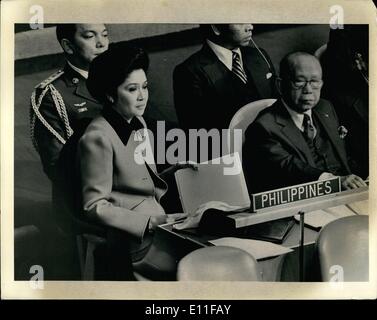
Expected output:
(221, 78)
(216, 71)
(124, 131)
(122, 128)
(82, 91)
(74, 79)
(293, 134)
(329, 125)
(256, 69)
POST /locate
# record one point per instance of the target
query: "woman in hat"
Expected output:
(120, 189)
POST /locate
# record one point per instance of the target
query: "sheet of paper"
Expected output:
(340, 211)
(319, 218)
(258, 249)
(360, 207)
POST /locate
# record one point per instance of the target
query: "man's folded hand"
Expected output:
(352, 181)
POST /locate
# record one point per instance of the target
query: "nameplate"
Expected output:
(295, 193)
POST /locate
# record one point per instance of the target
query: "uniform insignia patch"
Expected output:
(80, 104)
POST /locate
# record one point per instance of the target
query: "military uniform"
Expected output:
(57, 106)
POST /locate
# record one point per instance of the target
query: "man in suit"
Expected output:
(298, 139)
(62, 100)
(212, 84)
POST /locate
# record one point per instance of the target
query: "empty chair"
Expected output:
(343, 249)
(218, 263)
(320, 51)
(242, 119)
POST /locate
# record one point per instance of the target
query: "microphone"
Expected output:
(269, 74)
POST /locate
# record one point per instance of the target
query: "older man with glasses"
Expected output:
(298, 139)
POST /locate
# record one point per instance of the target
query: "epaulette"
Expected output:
(50, 79)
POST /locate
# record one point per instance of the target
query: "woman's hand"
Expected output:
(155, 221)
(186, 164)
(175, 217)
(178, 166)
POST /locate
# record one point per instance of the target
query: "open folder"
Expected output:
(220, 179)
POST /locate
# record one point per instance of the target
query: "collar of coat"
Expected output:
(75, 80)
(122, 128)
(254, 65)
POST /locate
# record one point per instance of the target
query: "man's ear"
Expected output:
(215, 29)
(67, 46)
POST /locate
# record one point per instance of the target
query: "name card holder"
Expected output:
(295, 193)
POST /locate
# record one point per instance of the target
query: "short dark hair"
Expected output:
(207, 31)
(65, 31)
(111, 68)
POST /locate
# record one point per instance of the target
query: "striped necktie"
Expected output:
(309, 129)
(237, 67)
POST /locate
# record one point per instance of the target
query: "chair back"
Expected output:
(67, 189)
(320, 51)
(342, 247)
(242, 119)
(218, 263)
(67, 202)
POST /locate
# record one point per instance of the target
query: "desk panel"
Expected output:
(281, 268)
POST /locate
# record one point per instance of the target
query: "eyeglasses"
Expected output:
(299, 84)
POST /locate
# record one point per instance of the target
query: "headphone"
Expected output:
(269, 74)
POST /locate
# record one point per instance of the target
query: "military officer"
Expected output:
(62, 100)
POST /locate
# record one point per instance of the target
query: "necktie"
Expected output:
(309, 129)
(237, 67)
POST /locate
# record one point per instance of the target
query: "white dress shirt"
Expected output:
(224, 55)
(82, 72)
(298, 118)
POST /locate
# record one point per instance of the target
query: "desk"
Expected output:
(282, 268)
(288, 210)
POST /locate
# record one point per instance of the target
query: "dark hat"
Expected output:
(108, 70)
